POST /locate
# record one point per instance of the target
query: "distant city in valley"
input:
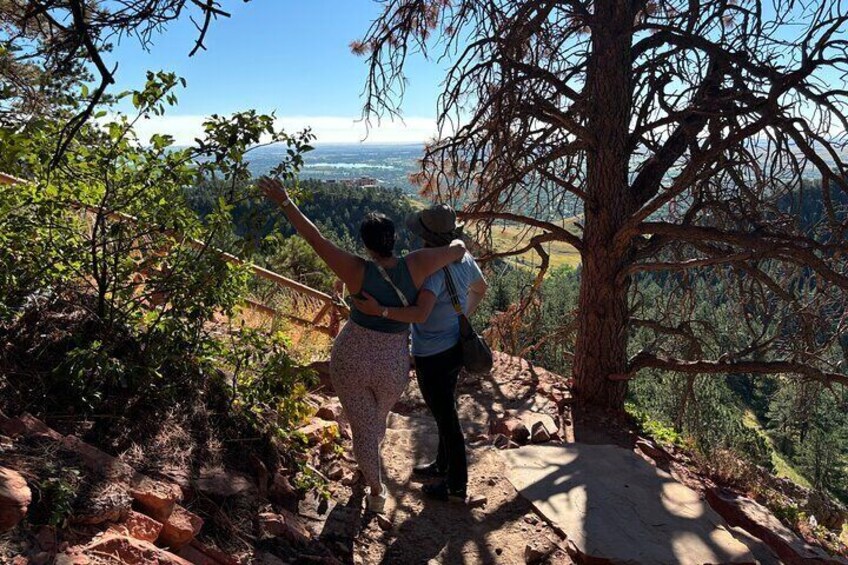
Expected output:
(350, 164)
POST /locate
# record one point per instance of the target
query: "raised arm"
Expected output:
(347, 266)
(425, 262)
(413, 314)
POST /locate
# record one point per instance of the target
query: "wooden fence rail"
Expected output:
(330, 311)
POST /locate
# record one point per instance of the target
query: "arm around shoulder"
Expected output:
(425, 262)
(476, 292)
(414, 314)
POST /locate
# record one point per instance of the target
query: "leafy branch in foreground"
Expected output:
(58, 39)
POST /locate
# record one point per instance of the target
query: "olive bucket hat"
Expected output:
(436, 225)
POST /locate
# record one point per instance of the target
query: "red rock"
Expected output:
(155, 498)
(142, 527)
(534, 419)
(319, 431)
(502, 442)
(284, 524)
(200, 554)
(760, 522)
(46, 538)
(131, 551)
(262, 475)
(100, 461)
(282, 492)
(511, 427)
(384, 523)
(539, 434)
(15, 498)
(73, 556)
(538, 550)
(331, 410)
(652, 451)
(182, 526)
(218, 482)
(27, 425)
(336, 472)
(562, 398)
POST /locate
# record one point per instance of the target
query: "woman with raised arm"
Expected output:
(369, 362)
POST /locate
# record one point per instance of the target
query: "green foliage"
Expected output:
(660, 431)
(336, 209)
(702, 408)
(546, 324)
(56, 493)
(266, 384)
(704, 413)
(309, 480)
(115, 279)
(809, 424)
(39, 243)
(786, 513)
(293, 257)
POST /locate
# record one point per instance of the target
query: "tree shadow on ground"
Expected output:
(447, 532)
(613, 504)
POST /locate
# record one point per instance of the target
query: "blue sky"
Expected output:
(288, 56)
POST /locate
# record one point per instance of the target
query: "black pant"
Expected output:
(437, 376)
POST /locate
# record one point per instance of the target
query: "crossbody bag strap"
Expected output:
(457, 305)
(389, 280)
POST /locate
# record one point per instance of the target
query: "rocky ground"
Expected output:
(517, 403)
(76, 504)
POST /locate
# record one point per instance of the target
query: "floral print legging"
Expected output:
(370, 371)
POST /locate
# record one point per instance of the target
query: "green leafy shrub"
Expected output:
(117, 301)
(265, 382)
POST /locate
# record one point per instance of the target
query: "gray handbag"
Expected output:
(476, 354)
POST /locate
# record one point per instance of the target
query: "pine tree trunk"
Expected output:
(601, 348)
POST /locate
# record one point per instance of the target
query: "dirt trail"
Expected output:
(415, 530)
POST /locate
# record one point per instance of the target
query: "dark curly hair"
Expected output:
(378, 234)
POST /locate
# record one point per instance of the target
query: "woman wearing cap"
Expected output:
(369, 362)
(435, 345)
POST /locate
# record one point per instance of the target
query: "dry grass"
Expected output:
(307, 344)
(782, 468)
(510, 237)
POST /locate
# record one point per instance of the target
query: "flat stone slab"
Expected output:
(613, 505)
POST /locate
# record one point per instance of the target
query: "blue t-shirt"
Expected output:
(441, 330)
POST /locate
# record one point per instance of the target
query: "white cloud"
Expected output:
(329, 129)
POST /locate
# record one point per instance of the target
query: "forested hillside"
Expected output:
(796, 430)
(337, 210)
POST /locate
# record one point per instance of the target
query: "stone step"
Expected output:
(613, 505)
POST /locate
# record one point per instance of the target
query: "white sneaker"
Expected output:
(377, 502)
